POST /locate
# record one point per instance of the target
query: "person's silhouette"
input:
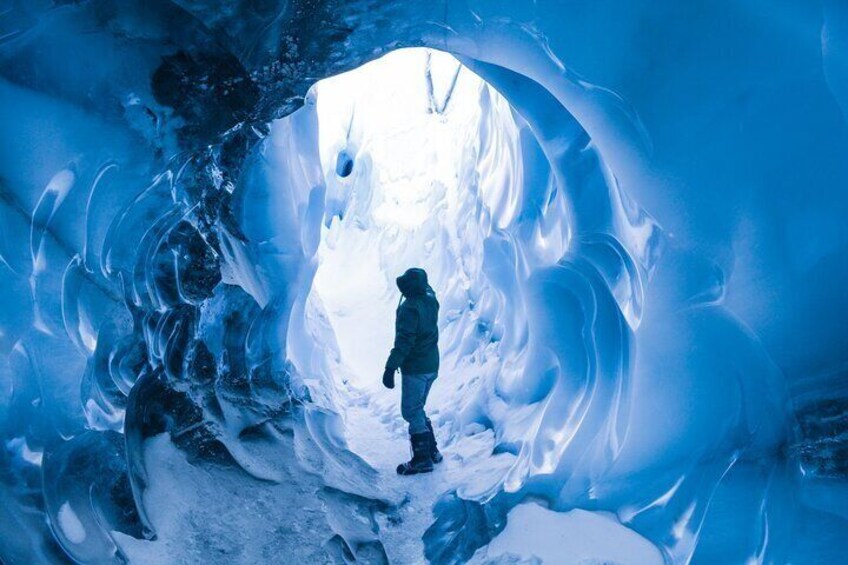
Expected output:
(416, 354)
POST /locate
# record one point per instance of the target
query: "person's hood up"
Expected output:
(413, 282)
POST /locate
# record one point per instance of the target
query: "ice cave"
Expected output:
(633, 215)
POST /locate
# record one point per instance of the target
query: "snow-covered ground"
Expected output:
(215, 514)
(567, 538)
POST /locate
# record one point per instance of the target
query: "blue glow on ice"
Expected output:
(634, 214)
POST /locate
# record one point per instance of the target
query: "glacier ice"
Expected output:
(633, 213)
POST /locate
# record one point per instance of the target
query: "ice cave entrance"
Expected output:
(419, 156)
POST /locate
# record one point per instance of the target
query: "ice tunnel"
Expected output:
(632, 213)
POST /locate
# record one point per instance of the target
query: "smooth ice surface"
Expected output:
(577, 536)
(634, 213)
(70, 524)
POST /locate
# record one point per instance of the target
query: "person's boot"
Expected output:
(435, 455)
(420, 462)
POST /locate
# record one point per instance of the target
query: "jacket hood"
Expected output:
(413, 282)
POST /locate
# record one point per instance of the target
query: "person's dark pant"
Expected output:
(412, 399)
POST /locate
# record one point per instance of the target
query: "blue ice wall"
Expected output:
(690, 345)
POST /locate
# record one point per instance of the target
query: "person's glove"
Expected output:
(389, 378)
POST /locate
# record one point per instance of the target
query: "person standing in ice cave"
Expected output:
(416, 354)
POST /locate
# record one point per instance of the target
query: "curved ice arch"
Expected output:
(101, 122)
(610, 249)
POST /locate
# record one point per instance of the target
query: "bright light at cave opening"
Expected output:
(399, 141)
(410, 114)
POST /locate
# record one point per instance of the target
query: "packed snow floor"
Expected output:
(219, 515)
(533, 532)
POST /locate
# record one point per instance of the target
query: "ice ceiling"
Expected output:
(634, 214)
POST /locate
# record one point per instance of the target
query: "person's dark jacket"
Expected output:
(416, 349)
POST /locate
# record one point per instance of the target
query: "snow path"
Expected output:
(377, 433)
(535, 534)
(214, 514)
